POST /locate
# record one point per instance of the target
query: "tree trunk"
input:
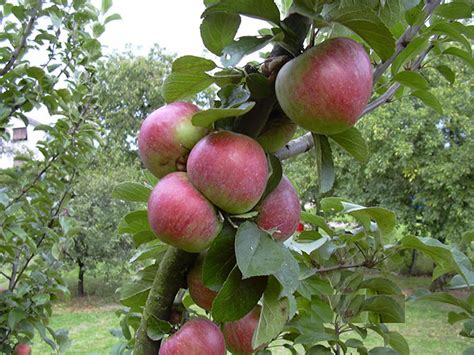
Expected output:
(411, 269)
(80, 280)
(168, 280)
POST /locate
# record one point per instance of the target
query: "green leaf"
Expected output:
(208, 117)
(454, 10)
(15, 316)
(179, 86)
(398, 343)
(106, 5)
(316, 221)
(412, 79)
(325, 164)
(98, 29)
(444, 297)
(275, 176)
(385, 219)
(446, 258)
(134, 294)
(262, 9)
(319, 350)
(239, 48)
(143, 237)
(452, 32)
(218, 30)
(288, 274)
(259, 85)
(220, 259)
(381, 285)
(191, 64)
(314, 285)
(113, 17)
(35, 72)
(414, 48)
(454, 317)
(273, 316)
(428, 99)
(131, 191)
(256, 252)
(233, 95)
(465, 56)
(157, 328)
(352, 142)
(242, 294)
(447, 73)
(388, 308)
(366, 23)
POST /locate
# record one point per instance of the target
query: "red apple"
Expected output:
(22, 349)
(326, 88)
(239, 334)
(180, 216)
(276, 134)
(300, 227)
(196, 337)
(230, 169)
(280, 211)
(166, 137)
(200, 294)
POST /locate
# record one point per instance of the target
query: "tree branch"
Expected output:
(405, 39)
(28, 29)
(168, 280)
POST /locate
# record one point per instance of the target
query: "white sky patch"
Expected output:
(174, 25)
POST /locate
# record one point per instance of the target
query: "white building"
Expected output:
(22, 141)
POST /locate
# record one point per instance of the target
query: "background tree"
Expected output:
(61, 38)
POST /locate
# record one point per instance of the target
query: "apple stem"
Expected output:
(170, 277)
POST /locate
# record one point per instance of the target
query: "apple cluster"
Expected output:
(205, 175)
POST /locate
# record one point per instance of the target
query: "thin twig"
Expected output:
(28, 29)
(405, 39)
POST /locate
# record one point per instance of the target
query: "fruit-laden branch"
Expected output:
(28, 29)
(305, 143)
(406, 38)
(168, 280)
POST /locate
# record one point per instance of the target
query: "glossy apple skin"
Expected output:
(230, 169)
(326, 88)
(22, 349)
(196, 337)
(200, 294)
(276, 134)
(180, 215)
(166, 137)
(238, 334)
(280, 211)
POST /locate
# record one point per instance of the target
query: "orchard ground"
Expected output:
(91, 318)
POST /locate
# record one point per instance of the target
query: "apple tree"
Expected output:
(218, 236)
(49, 50)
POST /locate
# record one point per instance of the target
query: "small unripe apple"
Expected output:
(326, 88)
(180, 216)
(230, 169)
(239, 334)
(166, 137)
(280, 211)
(200, 294)
(276, 134)
(197, 336)
(22, 349)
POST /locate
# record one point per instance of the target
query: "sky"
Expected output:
(173, 24)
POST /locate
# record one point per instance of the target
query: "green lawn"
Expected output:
(426, 330)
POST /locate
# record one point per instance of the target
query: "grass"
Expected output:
(426, 329)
